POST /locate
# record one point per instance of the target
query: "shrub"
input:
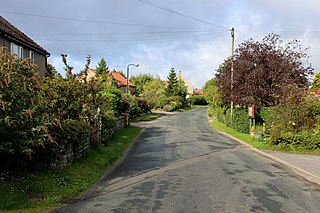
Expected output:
(264, 115)
(241, 120)
(220, 113)
(161, 102)
(131, 105)
(297, 114)
(302, 140)
(143, 105)
(168, 108)
(71, 131)
(198, 100)
(23, 122)
(113, 100)
(64, 98)
(176, 102)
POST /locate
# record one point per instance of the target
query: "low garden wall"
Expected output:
(65, 153)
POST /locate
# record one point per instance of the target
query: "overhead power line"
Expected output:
(123, 40)
(180, 14)
(91, 21)
(128, 33)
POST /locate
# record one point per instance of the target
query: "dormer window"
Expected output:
(16, 49)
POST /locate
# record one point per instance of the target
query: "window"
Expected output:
(15, 49)
(31, 55)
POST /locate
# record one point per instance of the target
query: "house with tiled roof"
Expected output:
(118, 77)
(16, 42)
(199, 91)
(315, 93)
(190, 87)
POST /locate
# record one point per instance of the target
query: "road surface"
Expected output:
(179, 164)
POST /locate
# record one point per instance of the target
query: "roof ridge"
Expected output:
(10, 29)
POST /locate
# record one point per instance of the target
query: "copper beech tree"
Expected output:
(264, 71)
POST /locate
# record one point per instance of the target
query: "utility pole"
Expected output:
(231, 77)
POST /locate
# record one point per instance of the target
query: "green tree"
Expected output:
(316, 82)
(172, 83)
(102, 67)
(153, 91)
(141, 80)
(181, 89)
(212, 94)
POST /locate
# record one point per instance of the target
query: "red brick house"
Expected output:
(16, 42)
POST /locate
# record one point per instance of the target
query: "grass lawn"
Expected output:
(147, 117)
(259, 144)
(23, 191)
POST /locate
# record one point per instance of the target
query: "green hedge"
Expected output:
(302, 140)
(240, 118)
(198, 100)
(264, 115)
(220, 114)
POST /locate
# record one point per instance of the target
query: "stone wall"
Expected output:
(65, 153)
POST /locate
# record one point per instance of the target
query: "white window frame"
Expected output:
(31, 55)
(16, 49)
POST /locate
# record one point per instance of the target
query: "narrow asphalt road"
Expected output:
(179, 164)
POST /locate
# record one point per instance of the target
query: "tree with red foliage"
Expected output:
(263, 71)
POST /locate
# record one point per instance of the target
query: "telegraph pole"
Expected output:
(231, 77)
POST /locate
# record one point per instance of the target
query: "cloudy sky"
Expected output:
(190, 35)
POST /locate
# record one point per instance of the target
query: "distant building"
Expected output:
(199, 91)
(121, 80)
(190, 87)
(16, 42)
(316, 93)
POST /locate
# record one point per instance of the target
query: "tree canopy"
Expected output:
(212, 95)
(316, 82)
(172, 82)
(141, 80)
(263, 71)
(102, 67)
(153, 90)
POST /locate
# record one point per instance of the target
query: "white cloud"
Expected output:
(195, 54)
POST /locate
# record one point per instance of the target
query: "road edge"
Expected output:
(88, 193)
(302, 173)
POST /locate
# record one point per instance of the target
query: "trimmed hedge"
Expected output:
(240, 118)
(220, 114)
(302, 140)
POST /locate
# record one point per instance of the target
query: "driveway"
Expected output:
(179, 164)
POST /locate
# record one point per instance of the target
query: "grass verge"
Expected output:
(147, 117)
(199, 106)
(259, 144)
(182, 109)
(25, 191)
